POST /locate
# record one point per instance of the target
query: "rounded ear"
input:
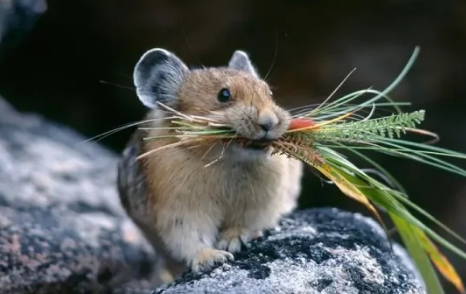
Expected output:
(240, 61)
(158, 76)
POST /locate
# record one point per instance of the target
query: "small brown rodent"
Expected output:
(195, 215)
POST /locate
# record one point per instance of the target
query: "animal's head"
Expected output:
(234, 94)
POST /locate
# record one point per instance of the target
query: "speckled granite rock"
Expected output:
(315, 251)
(62, 229)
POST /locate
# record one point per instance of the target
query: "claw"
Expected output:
(232, 239)
(206, 258)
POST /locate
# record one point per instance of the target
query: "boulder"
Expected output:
(63, 230)
(322, 250)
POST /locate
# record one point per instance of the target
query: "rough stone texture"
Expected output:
(314, 251)
(62, 229)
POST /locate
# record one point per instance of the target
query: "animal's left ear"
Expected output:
(240, 61)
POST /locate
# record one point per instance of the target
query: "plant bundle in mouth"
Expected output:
(316, 134)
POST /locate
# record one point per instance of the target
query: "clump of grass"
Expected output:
(316, 134)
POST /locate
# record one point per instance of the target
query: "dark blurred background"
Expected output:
(54, 56)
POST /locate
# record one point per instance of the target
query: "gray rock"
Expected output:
(325, 251)
(62, 229)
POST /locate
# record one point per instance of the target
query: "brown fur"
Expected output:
(193, 214)
(202, 86)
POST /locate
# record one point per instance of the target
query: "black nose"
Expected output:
(267, 120)
(267, 126)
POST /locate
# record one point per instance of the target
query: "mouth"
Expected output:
(256, 145)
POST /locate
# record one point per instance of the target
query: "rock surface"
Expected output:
(314, 251)
(62, 230)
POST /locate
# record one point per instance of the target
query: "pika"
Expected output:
(195, 215)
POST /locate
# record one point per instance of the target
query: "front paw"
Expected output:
(207, 257)
(232, 239)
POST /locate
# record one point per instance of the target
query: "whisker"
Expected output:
(179, 149)
(221, 153)
(123, 127)
(188, 44)
(176, 144)
(118, 86)
(174, 111)
(218, 158)
(182, 148)
(210, 148)
(274, 57)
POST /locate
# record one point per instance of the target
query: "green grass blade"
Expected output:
(425, 158)
(438, 150)
(418, 255)
(411, 204)
(386, 91)
(392, 179)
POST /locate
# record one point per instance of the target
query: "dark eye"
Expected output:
(224, 95)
